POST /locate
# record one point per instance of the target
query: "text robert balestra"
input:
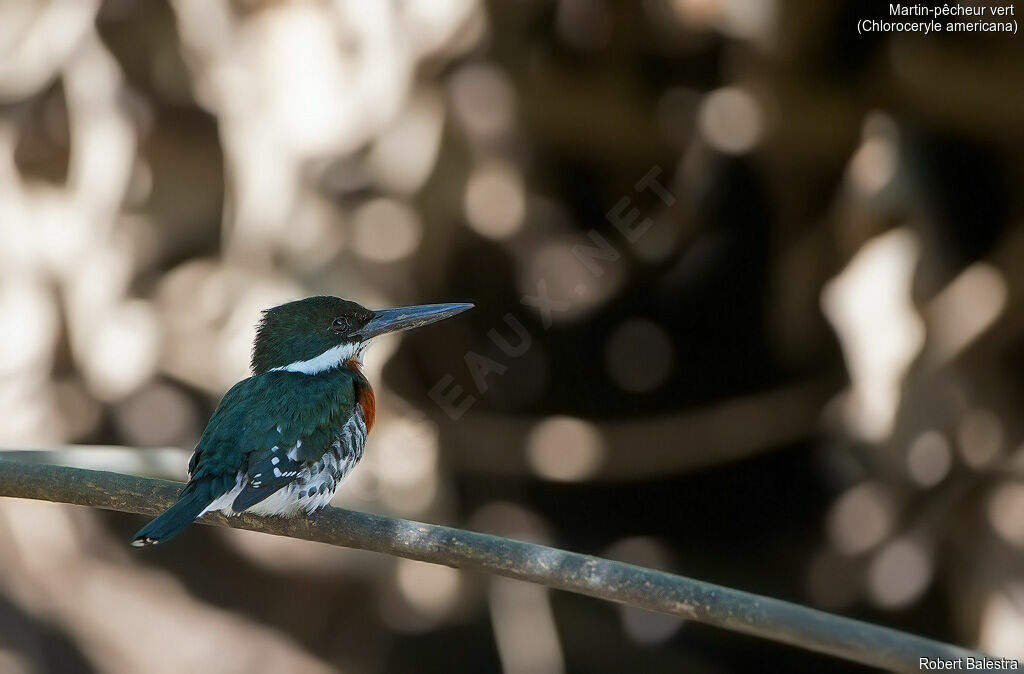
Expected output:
(967, 663)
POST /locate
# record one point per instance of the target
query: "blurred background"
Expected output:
(748, 294)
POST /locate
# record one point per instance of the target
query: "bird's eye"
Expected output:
(339, 325)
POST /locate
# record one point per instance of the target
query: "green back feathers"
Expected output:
(274, 409)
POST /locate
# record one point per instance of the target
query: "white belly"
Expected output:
(316, 483)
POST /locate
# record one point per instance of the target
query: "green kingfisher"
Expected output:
(282, 440)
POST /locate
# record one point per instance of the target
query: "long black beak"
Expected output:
(406, 318)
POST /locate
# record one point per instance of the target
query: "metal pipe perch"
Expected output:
(624, 583)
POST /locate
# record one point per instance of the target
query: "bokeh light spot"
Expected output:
(980, 437)
(1006, 512)
(870, 306)
(483, 100)
(431, 589)
(385, 230)
(929, 459)
(495, 201)
(860, 519)
(406, 459)
(639, 356)
(157, 415)
(122, 352)
(730, 120)
(873, 165)
(567, 449)
(899, 574)
(566, 279)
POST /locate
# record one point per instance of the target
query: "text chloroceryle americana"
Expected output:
(282, 440)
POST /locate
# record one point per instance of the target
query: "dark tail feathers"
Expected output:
(174, 519)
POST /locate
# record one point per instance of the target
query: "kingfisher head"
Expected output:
(321, 333)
